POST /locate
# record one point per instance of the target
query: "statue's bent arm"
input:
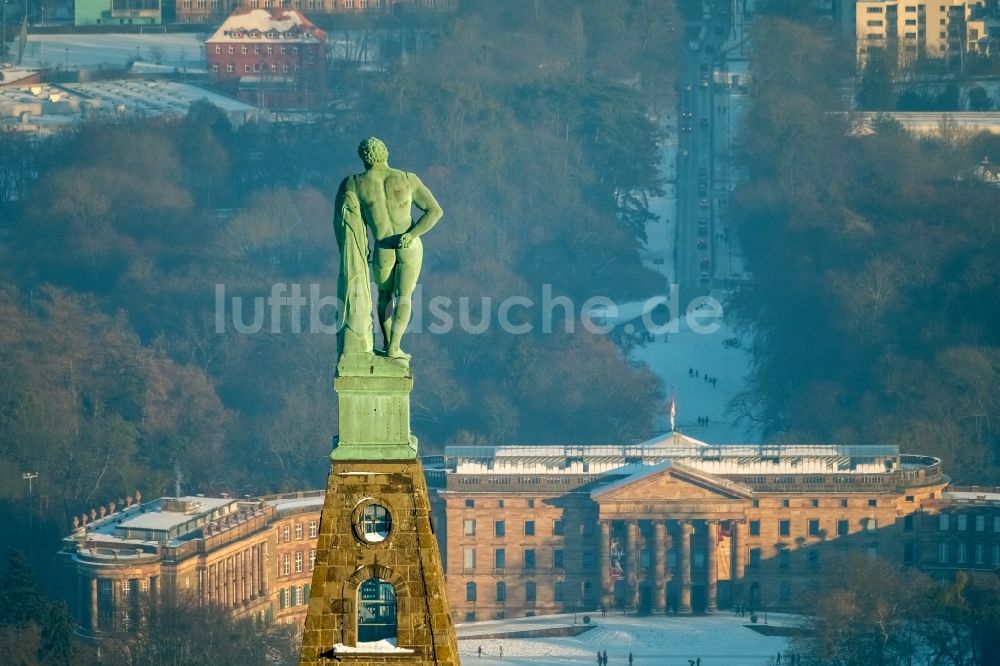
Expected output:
(425, 201)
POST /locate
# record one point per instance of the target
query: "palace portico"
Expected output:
(669, 535)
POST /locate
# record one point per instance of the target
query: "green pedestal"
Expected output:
(374, 404)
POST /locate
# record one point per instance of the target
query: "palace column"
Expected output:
(684, 566)
(739, 561)
(660, 566)
(605, 560)
(711, 565)
(633, 564)
(93, 607)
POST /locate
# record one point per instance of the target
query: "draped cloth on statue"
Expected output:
(354, 335)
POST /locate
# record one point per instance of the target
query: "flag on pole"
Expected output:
(673, 410)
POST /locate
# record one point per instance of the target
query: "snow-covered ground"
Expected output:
(707, 354)
(721, 639)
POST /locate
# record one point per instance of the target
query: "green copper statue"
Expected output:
(380, 200)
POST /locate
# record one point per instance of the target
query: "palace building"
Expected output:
(670, 525)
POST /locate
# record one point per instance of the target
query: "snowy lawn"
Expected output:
(720, 639)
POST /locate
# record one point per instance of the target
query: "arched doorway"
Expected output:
(376, 611)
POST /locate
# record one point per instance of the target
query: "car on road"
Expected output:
(705, 263)
(704, 276)
(686, 128)
(704, 83)
(703, 203)
(702, 244)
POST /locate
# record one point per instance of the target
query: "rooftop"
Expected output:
(268, 25)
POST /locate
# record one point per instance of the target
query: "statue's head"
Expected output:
(372, 151)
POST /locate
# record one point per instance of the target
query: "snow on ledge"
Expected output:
(384, 646)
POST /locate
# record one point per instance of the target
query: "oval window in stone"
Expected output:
(375, 523)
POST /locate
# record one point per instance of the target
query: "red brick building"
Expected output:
(211, 11)
(275, 58)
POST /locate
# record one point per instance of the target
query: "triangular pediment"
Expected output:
(671, 481)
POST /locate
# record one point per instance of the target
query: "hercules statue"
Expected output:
(380, 200)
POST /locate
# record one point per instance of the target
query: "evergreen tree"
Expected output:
(876, 92)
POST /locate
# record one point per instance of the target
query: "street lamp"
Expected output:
(67, 58)
(29, 477)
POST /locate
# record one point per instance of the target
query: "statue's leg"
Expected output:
(408, 262)
(385, 280)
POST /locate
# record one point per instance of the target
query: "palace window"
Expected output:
(785, 503)
(558, 559)
(980, 523)
(298, 561)
(785, 527)
(784, 558)
(529, 528)
(814, 503)
(943, 552)
(961, 552)
(286, 533)
(286, 564)
(529, 558)
(470, 527)
(754, 528)
(500, 558)
(530, 593)
(499, 528)
(980, 555)
(470, 504)
(557, 528)
(218, 49)
(312, 559)
(871, 524)
(557, 591)
(754, 557)
(843, 504)
(843, 528)
(908, 522)
(501, 592)
(313, 529)
(531, 504)
(873, 502)
(469, 559)
(944, 522)
(962, 522)
(470, 591)
(814, 527)
(298, 532)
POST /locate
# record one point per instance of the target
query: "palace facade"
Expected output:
(677, 525)
(670, 525)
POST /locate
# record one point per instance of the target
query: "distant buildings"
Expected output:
(270, 57)
(254, 557)
(671, 525)
(914, 29)
(213, 11)
(118, 12)
(47, 108)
